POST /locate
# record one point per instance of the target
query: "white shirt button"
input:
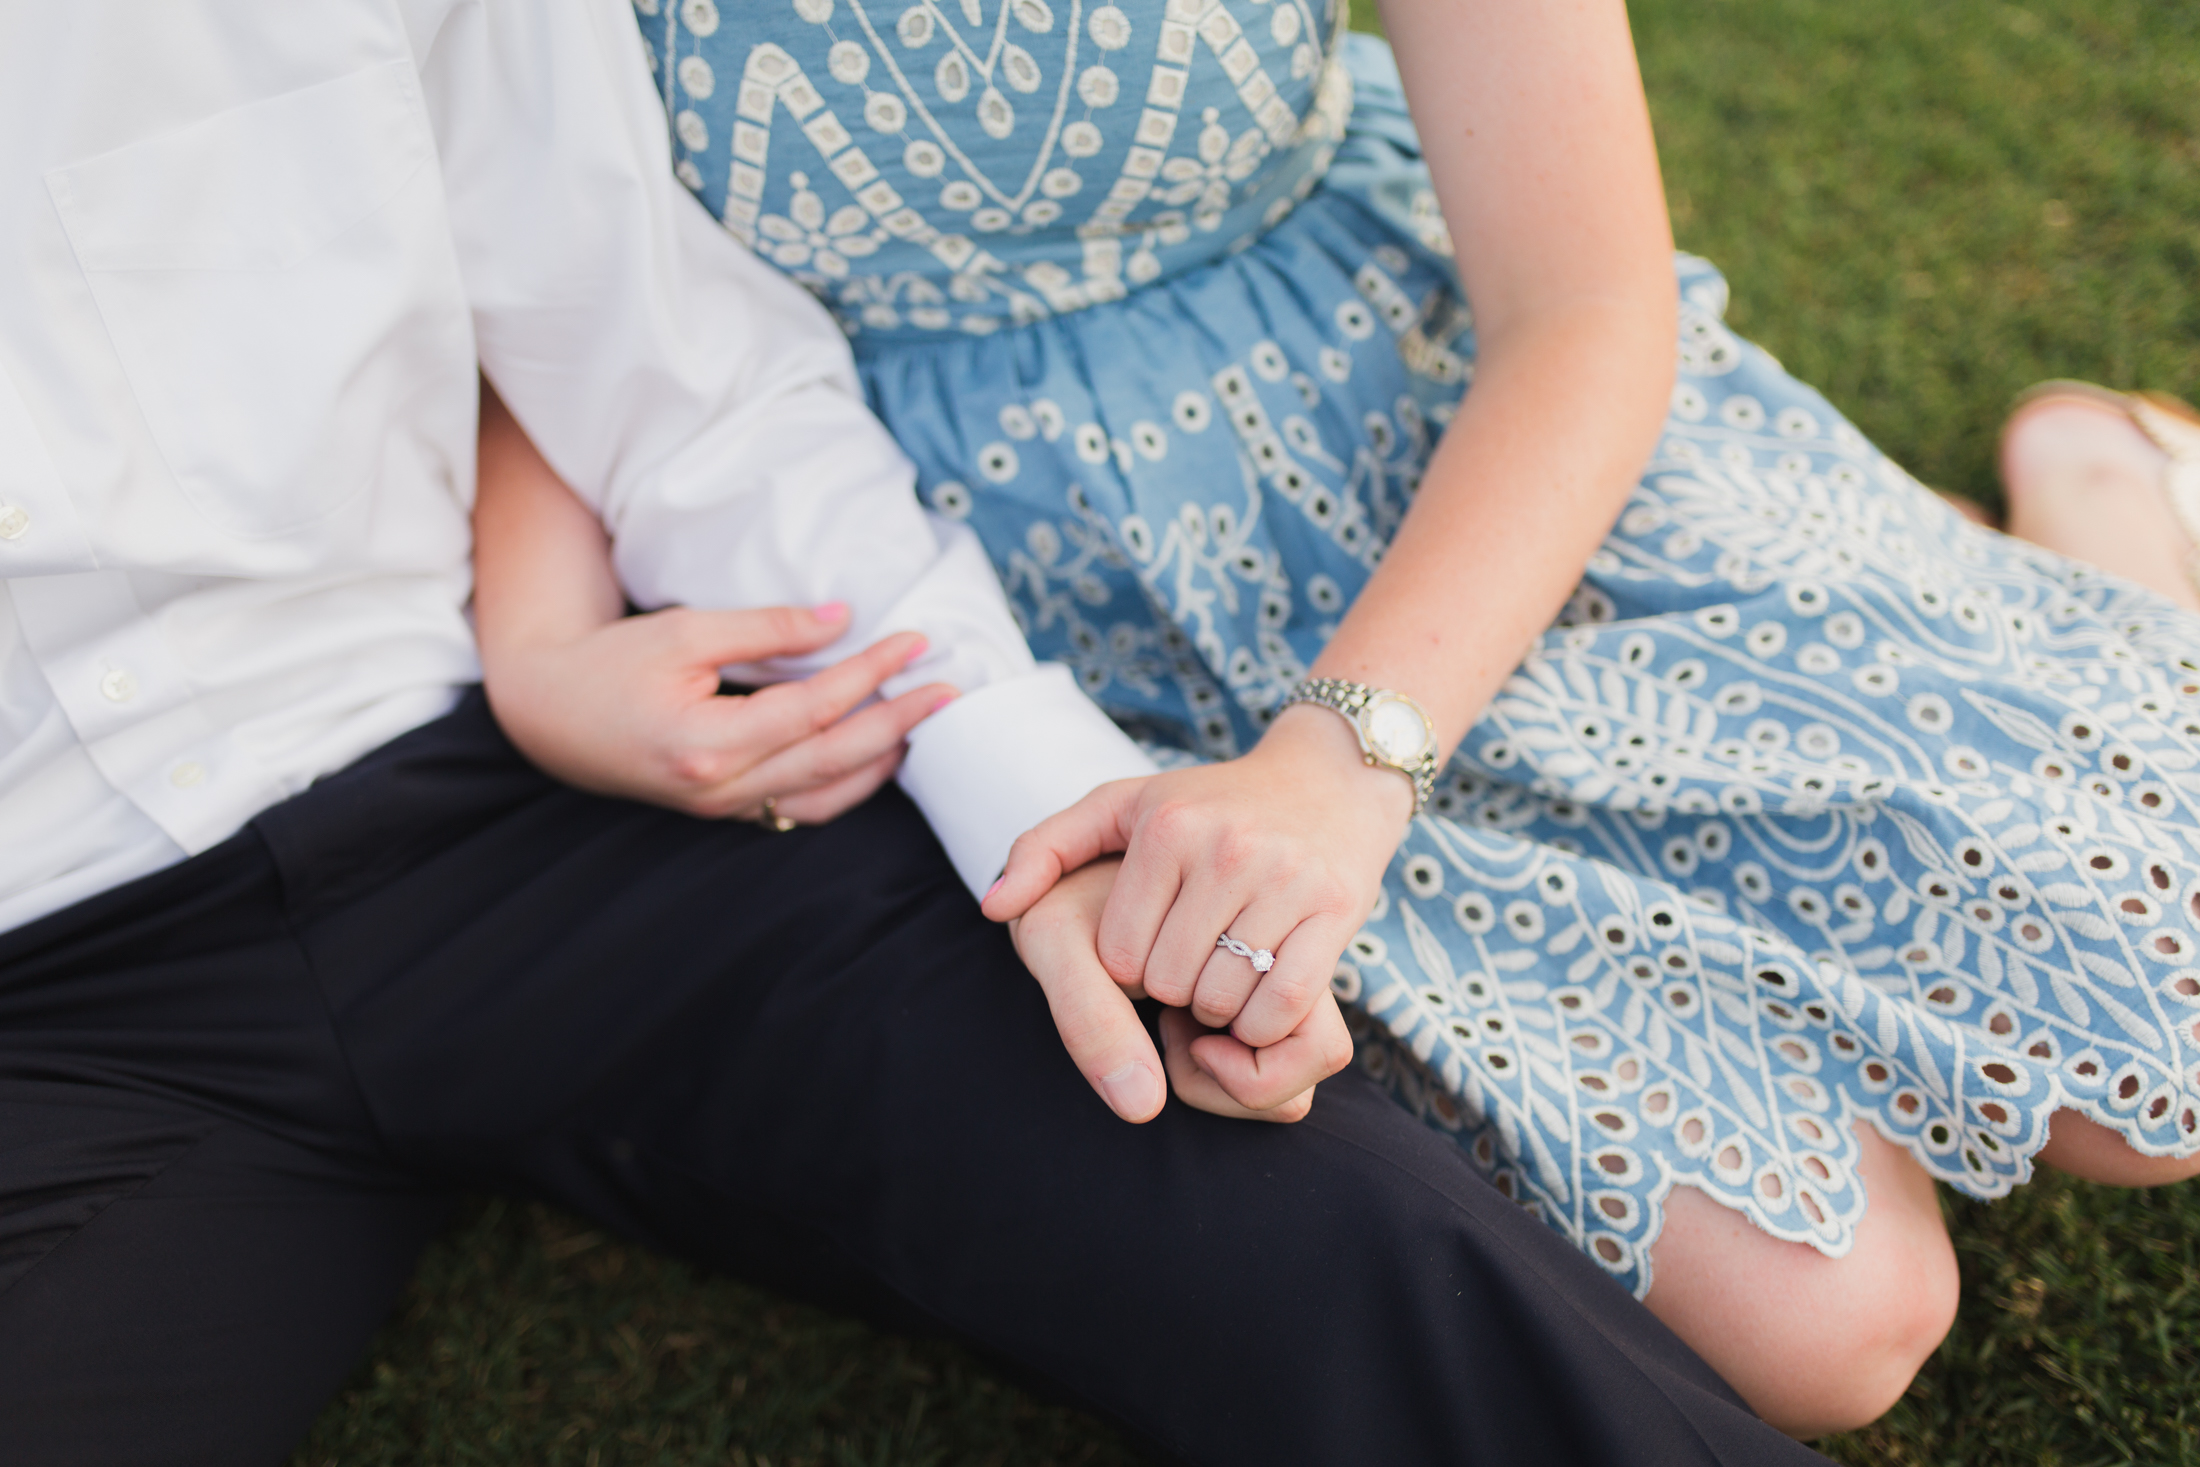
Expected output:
(188, 775)
(14, 520)
(118, 686)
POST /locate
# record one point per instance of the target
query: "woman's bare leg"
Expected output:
(1820, 1344)
(2091, 1152)
(2083, 481)
(1814, 1344)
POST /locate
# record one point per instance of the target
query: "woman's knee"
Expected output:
(1893, 1311)
(2092, 1152)
(1814, 1344)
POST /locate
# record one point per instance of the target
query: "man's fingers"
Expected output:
(1098, 1026)
(1199, 1089)
(1094, 826)
(1263, 1079)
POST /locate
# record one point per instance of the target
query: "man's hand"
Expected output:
(1209, 1071)
(632, 708)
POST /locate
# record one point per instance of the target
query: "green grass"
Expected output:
(1923, 205)
(2075, 1344)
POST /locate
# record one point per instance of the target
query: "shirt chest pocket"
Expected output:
(277, 280)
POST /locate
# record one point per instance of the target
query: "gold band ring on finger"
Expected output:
(770, 818)
(1261, 959)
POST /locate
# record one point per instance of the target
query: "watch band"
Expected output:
(1355, 701)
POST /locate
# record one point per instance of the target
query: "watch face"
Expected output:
(1396, 731)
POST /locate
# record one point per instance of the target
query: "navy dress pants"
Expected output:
(236, 1096)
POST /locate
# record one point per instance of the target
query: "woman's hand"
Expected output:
(632, 708)
(1057, 938)
(629, 705)
(1283, 849)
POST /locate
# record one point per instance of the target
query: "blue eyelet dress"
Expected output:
(1818, 805)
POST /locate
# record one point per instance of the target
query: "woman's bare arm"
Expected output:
(1533, 121)
(542, 562)
(630, 705)
(1532, 118)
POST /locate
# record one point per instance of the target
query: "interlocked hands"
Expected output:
(1283, 849)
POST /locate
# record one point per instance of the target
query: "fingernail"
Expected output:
(944, 700)
(916, 648)
(1134, 1090)
(831, 611)
(998, 881)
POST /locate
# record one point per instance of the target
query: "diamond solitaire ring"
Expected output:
(1261, 959)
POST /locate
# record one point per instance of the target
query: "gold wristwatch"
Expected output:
(1393, 731)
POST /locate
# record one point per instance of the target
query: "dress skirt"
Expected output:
(1818, 805)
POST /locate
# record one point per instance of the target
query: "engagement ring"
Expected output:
(1261, 959)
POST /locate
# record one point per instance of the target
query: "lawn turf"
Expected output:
(1922, 207)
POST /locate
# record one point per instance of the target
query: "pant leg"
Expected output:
(181, 1290)
(808, 1056)
(197, 1233)
(1346, 1290)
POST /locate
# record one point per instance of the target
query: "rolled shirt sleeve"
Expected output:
(709, 411)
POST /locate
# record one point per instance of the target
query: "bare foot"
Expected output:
(2081, 480)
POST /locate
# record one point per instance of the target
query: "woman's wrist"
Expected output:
(1317, 747)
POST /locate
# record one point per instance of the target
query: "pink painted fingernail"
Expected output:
(1134, 1090)
(945, 699)
(831, 611)
(996, 886)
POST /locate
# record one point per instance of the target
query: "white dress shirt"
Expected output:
(253, 250)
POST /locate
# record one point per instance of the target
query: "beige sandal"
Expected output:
(2170, 425)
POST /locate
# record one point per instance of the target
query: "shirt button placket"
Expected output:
(117, 685)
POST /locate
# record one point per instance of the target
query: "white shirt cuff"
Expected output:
(997, 761)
